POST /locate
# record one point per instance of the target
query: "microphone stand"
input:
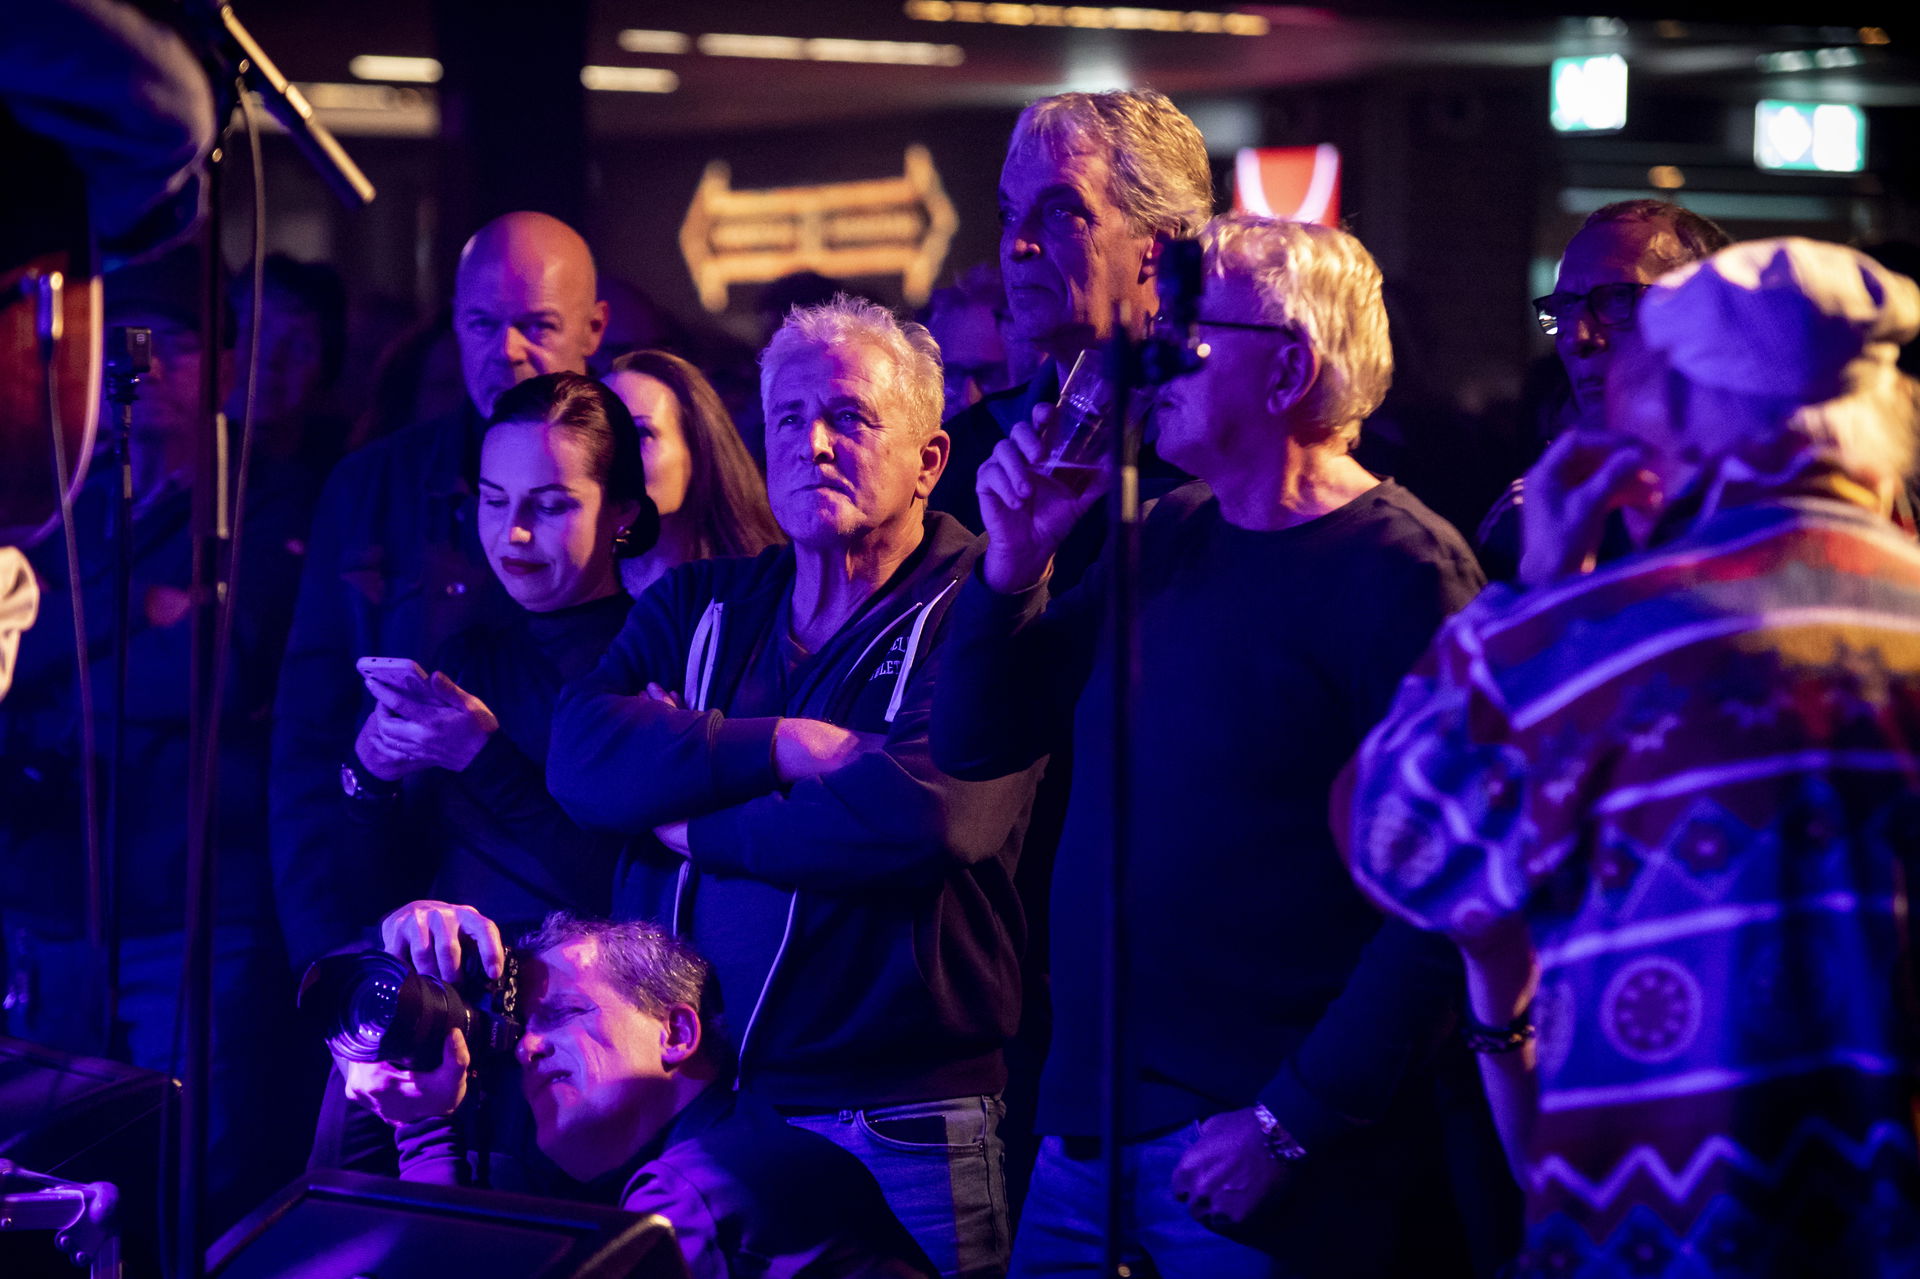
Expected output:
(1123, 625)
(128, 360)
(235, 59)
(1130, 365)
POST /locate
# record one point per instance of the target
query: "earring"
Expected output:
(622, 543)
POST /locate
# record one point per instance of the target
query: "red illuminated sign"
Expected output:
(1301, 184)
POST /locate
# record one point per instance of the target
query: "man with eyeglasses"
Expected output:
(1278, 1035)
(1617, 253)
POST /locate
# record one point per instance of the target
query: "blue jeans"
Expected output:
(1063, 1224)
(943, 1171)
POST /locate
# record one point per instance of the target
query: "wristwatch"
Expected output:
(1280, 1142)
(1511, 1037)
(362, 786)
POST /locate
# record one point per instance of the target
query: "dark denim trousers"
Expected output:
(943, 1171)
(1063, 1224)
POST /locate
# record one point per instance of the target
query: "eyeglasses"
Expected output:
(1612, 306)
(1162, 325)
(1244, 327)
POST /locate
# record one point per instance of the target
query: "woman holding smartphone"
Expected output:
(562, 495)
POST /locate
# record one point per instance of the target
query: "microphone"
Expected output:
(1174, 348)
(240, 55)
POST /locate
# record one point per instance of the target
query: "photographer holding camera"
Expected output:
(630, 1096)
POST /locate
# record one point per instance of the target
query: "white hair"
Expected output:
(1322, 283)
(1870, 431)
(914, 357)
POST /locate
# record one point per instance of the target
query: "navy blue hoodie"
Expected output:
(896, 976)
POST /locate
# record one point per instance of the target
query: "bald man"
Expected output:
(525, 302)
(394, 568)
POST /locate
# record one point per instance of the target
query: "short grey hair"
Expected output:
(1698, 237)
(1322, 283)
(648, 964)
(914, 356)
(1161, 179)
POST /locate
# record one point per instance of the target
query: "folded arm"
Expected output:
(626, 761)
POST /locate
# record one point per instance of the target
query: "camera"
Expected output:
(373, 1007)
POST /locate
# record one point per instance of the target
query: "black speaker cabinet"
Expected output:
(343, 1225)
(86, 1119)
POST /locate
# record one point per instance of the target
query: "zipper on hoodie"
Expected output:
(786, 936)
(706, 661)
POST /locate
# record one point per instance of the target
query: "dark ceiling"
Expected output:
(1006, 65)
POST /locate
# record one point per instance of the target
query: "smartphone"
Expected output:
(401, 674)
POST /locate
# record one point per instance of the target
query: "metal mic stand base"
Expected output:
(83, 1217)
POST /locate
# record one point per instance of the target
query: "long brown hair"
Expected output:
(726, 494)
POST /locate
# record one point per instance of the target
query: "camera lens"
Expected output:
(352, 1001)
(371, 1007)
(370, 1004)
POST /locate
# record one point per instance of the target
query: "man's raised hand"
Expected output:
(1028, 514)
(1569, 492)
(428, 933)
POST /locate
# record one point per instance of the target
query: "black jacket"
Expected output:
(497, 841)
(394, 569)
(897, 978)
(1258, 971)
(747, 1193)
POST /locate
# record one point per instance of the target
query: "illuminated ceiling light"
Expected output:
(1874, 35)
(629, 79)
(1809, 59)
(1088, 17)
(370, 110)
(636, 41)
(1097, 73)
(1667, 177)
(1606, 27)
(380, 66)
(790, 48)
(909, 53)
(1589, 94)
(1818, 137)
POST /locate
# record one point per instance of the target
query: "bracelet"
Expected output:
(1483, 1038)
(1280, 1143)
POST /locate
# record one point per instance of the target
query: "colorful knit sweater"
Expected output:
(1696, 774)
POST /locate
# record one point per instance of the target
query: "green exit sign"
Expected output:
(1589, 94)
(1810, 137)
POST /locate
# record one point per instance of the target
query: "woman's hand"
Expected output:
(405, 736)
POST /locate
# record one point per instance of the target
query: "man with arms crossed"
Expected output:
(761, 725)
